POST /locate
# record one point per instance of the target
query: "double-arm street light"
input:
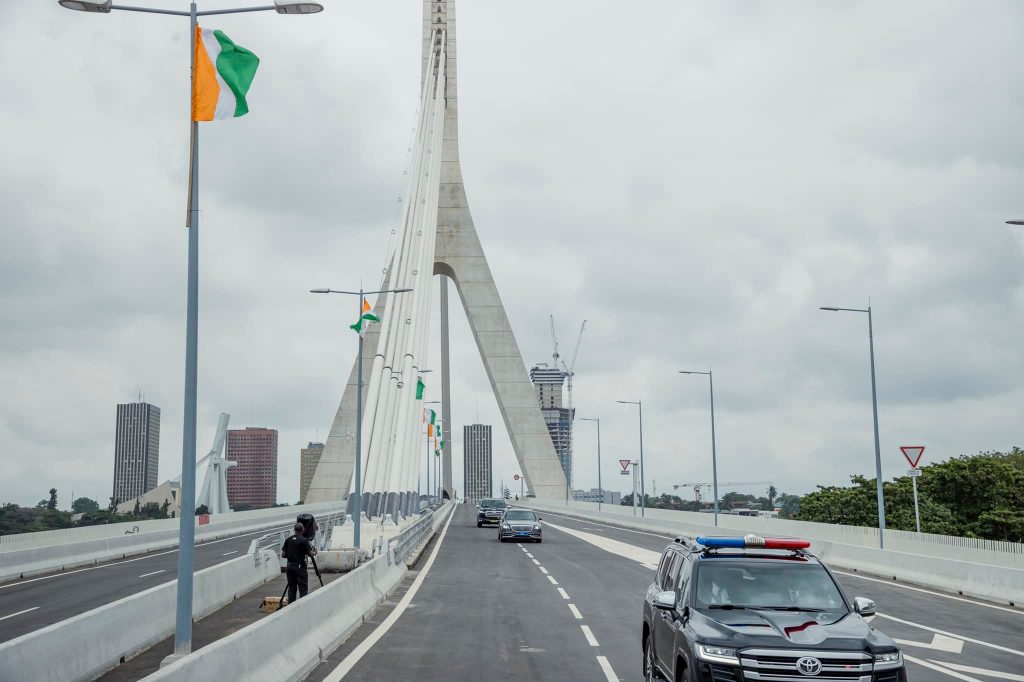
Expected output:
(358, 475)
(600, 488)
(643, 471)
(874, 409)
(714, 454)
(186, 542)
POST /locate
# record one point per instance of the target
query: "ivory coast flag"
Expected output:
(223, 74)
(367, 316)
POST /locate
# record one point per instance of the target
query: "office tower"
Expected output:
(476, 461)
(548, 385)
(253, 483)
(136, 450)
(309, 457)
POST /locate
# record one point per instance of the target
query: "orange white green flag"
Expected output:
(364, 319)
(223, 72)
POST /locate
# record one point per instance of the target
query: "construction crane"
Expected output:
(697, 486)
(568, 371)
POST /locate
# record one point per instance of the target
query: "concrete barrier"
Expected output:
(68, 550)
(324, 619)
(85, 646)
(994, 583)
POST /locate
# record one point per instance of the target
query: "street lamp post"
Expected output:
(643, 471)
(874, 410)
(358, 492)
(714, 454)
(600, 488)
(186, 526)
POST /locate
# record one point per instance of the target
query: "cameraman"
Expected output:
(295, 550)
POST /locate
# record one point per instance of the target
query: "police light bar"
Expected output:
(752, 542)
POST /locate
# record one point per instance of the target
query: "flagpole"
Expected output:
(357, 506)
(187, 520)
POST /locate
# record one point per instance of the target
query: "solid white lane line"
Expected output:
(591, 640)
(552, 579)
(353, 658)
(947, 671)
(982, 671)
(146, 575)
(543, 570)
(605, 525)
(937, 594)
(606, 667)
(644, 557)
(125, 561)
(12, 615)
(951, 634)
(565, 595)
(234, 551)
(575, 612)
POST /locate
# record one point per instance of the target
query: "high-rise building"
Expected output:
(476, 461)
(253, 483)
(136, 450)
(548, 384)
(309, 457)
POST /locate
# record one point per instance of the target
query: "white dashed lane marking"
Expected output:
(591, 640)
(575, 612)
(565, 595)
(552, 579)
(12, 615)
(543, 570)
(606, 667)
(146, 575)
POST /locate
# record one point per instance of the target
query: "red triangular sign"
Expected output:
(913, 454)
(624, 463)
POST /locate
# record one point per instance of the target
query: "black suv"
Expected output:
(490, 511)
(741, 609)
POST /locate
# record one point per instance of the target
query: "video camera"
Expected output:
(309, 525)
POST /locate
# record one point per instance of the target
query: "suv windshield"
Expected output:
(493, 504)
(767, 585)
(520, 515)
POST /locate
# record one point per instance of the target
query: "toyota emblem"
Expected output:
(808, 665)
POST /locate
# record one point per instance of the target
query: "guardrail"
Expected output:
(994, 552)
(993, 582)
(29, 560)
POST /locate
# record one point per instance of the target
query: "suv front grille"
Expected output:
(780, 665)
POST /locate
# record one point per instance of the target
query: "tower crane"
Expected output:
(568, 371)
(697, 486)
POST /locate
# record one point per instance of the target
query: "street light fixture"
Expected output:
(187, 499)
(714, 454)
(1015, 222)
(874, 410)
(600, 488)
(643, 471)
(358, 492)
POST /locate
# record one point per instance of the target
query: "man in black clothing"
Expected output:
(295, 550)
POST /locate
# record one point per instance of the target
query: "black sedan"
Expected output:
(519, 524)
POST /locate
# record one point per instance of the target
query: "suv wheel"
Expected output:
(479, 525)
(651, 673)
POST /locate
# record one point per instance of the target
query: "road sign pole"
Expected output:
(917, 512)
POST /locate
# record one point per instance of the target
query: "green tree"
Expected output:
(85, 505)
(203, 509)
(52, 503)
(772, 493)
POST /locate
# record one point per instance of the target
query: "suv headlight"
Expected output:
(506, 526)
(717, 654)
(888, 660)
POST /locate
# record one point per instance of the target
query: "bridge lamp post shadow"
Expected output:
(874, 410)
(600, 488)
(714, 453)
(643, 471)
(358, 492)
(186, 554)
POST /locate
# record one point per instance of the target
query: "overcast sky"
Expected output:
(693, 178)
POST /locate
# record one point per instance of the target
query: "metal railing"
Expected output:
(401, 547)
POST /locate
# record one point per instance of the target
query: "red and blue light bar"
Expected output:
(752, 542)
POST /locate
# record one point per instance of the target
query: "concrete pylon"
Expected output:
(460, 257)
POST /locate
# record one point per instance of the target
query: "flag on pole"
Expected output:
(360, 327)
(429, 416)
(222, 75)
(420, 387)
(430, 430)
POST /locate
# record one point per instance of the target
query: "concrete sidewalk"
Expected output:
(235, 616)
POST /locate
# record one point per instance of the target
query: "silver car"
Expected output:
(519, 524)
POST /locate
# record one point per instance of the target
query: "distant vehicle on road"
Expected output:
(753, 608)
(519, 524)
(490, 511)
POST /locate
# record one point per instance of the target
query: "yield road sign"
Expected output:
(913, 453)
(624, 463)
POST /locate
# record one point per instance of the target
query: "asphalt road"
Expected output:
(33, 603)
(570, 609)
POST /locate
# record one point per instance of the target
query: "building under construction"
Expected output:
(548, 384)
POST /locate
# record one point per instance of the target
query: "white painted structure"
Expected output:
(214, 493)
(436, 235)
